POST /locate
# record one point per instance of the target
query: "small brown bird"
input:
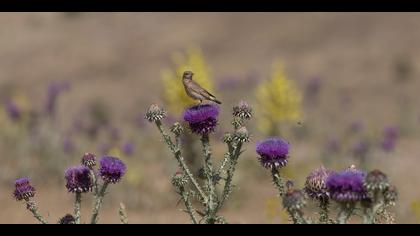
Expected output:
(195, 91)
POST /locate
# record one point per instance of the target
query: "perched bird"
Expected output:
(194, 90)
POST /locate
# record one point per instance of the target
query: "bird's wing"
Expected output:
(198, 89)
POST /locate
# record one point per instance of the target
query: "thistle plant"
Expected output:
(80, 180)
(351, 190)
(217, 186)
(316, 189)
(24, 191)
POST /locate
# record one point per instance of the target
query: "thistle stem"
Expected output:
(234, 155)
(98, 203)
(371, 212)
(77, 206)
(177, 153)
(31, 206)
(345, 213)
(324, 217)
(188, 205)
(208, 171)
(95, 181)
(297, 217)
(123, 214)
(224, 163)
(278, 181)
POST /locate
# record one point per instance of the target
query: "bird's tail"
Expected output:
(215, 100)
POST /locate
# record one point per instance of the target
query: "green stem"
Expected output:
(123, 214)
(208, 171)
(278, 182)
(297, 217)
(177, 153)
(188, 205)
(324, 217)
(31, 206)
(234, 155)
(77, 206)
(224, 163)
(371, 212)
(95, 181)
(345, 213)
(98, 203)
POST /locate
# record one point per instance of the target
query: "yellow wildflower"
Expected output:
(279, 101)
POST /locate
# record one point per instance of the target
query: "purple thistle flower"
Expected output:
(78, 179)
(13, 110)
(273, 152)
(347, 186)
(128, 148)
(202, 118)
(111, 169)
(315, 185)
(23, 189)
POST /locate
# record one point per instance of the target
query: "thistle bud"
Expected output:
(315, 185)
(155, 113)
(227, 138)
(242, 135)
(237, 122)
(294, 200)
(179, 180)
(376, 181)
(89, 160)
(242, 110)
(68, 219)
(177, 129)
(391, 195)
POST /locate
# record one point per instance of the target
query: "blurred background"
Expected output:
(345, 86)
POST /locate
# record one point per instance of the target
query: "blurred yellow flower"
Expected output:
(115, 151)
(174, 95)
(274, 209)
(415, 207)
(278, 100)
(134, 177)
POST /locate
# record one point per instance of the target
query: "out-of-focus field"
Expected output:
(116, 60)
